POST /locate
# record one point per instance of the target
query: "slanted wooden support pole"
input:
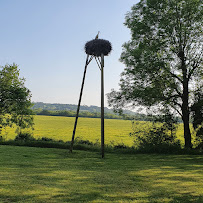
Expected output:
(78, 109)
(102, 105)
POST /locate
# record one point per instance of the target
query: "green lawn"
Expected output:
(55, 175)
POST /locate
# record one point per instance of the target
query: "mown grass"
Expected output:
(55, 175)
(61, 128)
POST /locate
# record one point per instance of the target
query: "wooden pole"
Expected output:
(78, 109)
(102, 105)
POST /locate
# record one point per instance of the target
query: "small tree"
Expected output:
(164, 65)
(15, 99)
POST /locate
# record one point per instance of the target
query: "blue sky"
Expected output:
(46, 39)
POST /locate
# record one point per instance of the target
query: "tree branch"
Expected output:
(195, 65)
(175, 108)
(175, 76)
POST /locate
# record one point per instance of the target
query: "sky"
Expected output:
(46, 39)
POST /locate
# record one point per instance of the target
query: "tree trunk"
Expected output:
(185, 104)
(186, 123)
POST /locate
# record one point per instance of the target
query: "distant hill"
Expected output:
(73, 107)
(69, 110)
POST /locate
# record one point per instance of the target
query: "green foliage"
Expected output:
(24, 136)
(86, 142)
(15, 99)
(197, 115)
(157, 140)
(163, 58)
(160, 137)
(46, 139)
(120, 146)
(168, 121)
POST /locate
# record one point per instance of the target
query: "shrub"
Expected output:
(24, 136)
(46, 139)
(1, 138)
(157, 140)
(120, 146)
(85, 142)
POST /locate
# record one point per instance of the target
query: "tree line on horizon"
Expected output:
(89, 114)
(73, 107)
(69, 110)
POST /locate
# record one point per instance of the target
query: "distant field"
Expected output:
(61, 128)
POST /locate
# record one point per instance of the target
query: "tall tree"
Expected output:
(15, 99)
(163, 59)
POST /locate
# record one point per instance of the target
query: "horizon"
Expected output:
(110, 108)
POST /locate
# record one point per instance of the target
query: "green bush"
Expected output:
(83, 142)
(1, 138)
(120, 146)
(157, 140)
(46, 139)
(24, 136)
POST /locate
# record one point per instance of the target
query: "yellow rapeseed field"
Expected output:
(61, 128)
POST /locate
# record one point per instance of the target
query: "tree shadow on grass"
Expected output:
(187, 198)
(53, 175)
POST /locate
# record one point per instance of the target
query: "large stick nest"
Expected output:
(97, 47)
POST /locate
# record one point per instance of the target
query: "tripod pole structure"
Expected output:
(102, 105)
(96, 48)
(78, 109)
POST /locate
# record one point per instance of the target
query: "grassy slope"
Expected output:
(53, 175)
(61, 128)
